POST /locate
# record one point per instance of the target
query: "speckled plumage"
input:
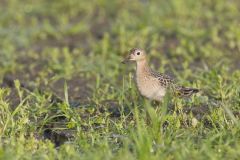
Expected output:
(154, 85)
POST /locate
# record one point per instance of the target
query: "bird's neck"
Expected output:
(142, 67)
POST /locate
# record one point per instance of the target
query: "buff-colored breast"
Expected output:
(149, 86)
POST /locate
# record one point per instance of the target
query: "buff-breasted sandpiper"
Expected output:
(154, 85)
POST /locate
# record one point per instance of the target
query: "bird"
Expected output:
(154, 85)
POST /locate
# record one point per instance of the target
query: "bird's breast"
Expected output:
(150, 87)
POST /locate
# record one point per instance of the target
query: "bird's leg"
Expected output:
(157, 105)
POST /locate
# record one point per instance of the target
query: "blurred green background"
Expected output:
(62, 53)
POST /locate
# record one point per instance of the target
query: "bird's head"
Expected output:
(135, 54)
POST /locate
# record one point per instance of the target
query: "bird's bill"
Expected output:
(126, 60)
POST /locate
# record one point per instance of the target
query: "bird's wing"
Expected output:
(185, 91)
(163, 79)
(169, 82)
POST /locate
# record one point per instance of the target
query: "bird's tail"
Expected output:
(185, 91)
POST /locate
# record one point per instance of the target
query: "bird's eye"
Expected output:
(138, 53)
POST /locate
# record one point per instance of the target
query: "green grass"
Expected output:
(65, 95)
